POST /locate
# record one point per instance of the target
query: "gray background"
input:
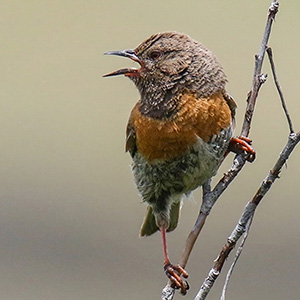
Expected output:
(69, 210)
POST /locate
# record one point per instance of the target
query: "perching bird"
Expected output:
(179, 131)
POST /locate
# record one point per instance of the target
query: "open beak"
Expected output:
(126, 71)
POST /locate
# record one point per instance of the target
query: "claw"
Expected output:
(182, 271)
(174, 272)
(242, 144)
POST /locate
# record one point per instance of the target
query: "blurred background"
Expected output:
(69, 211)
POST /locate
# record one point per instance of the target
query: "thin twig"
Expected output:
(210, 198)
(193, 235)
(258, 78)
(270, 55)
(237, 256)
(240, 249)
(294, 139)
(208, 201)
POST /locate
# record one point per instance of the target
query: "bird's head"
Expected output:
(171, 62)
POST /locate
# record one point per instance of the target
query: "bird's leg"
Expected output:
(173, 271)
(241, 144)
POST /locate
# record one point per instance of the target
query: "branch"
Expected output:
(289, 121)
(294, 139)
(210, 197)
(270, 55)
(237, 256)
(258, 78)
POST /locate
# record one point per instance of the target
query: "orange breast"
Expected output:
(170, 138)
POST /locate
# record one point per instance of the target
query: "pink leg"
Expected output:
(173, 271)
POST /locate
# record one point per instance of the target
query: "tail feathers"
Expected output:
(174, 216)
(149, 225)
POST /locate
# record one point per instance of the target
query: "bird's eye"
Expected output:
(154, 54)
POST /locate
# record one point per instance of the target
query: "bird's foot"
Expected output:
(242, 144)
(174, 273)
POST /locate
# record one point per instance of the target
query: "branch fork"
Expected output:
(210, 196)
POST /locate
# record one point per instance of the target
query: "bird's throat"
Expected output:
(158, 105)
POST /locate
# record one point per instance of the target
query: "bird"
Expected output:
(180, 130)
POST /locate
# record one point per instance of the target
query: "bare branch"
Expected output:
(258, 78)
(240, 249)
(210, 197)
(167, 293)
(270, 55)
(294, 139)
(237, 255)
